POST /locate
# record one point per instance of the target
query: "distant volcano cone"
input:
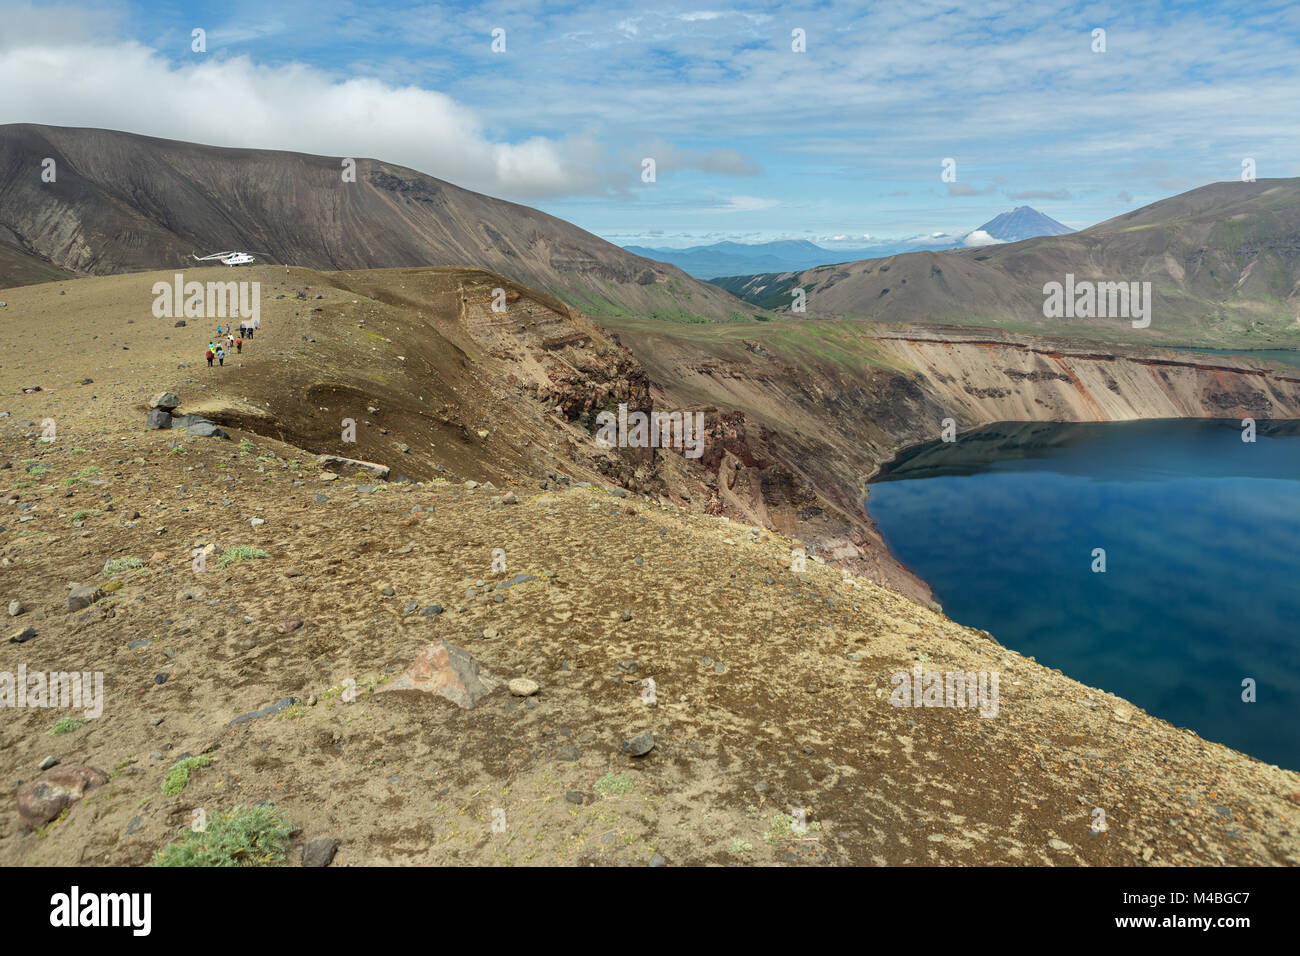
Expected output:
(1023, 222)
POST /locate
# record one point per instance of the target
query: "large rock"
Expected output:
(164, 400)
(448, 671)
(200, 426)
(319, 852)
(158, 419)
(342, 465)
(81, 598)
(206, 429)
(48, 795)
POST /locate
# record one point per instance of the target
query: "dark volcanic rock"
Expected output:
(639, 746)
(319, 852)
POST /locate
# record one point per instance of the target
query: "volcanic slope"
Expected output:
(771, 685)
(1223, 260)
(121, 202)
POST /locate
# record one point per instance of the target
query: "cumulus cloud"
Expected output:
(978, 238)
(234, 102)
(65, 66)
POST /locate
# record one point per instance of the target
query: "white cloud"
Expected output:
(234, 102)
(747, 204)
(979, 237)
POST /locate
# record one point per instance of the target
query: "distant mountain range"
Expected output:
(721, 259)
(1223, 262)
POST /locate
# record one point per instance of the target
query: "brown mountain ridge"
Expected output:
(122, 202)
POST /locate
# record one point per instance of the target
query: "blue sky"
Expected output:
(751, 140)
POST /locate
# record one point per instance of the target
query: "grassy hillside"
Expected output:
(1223, 262)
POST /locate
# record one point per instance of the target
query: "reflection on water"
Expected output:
(1200, 532)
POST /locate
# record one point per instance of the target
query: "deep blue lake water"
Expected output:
(1201, 533)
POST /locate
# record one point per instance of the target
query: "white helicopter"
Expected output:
(228, 258)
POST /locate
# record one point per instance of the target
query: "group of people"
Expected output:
(233, 344)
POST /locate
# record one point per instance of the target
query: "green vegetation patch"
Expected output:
(240, 552)
(65, 725)
(118, 565)
(253, 836)
(178, 777)
(613, 783)
(84, 513)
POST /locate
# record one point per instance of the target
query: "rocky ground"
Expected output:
(769, 738)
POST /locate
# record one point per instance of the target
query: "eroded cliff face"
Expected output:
(999, 377)
(797, 436)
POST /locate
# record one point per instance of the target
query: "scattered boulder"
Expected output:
(178, 324)
(523, 687)
(639, 746)
(52, 792)
(205, 429)
(517, 579)
(158, 420)
(288, 626)
(319, 852)
(167, 401)
(23, 636)
(283, 703)
(16, 607)
(337, 463)
(81, 598)
(448, 671)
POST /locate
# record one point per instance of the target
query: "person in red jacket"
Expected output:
(211, 356)
(239, 344)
